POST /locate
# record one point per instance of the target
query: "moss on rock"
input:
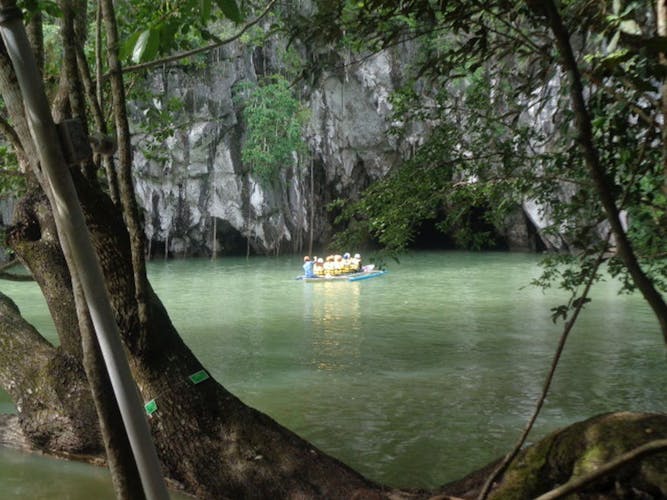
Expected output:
(582, 448)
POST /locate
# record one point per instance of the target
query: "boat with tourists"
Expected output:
(337, 268)
(367, 273)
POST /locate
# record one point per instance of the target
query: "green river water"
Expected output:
(414, 378)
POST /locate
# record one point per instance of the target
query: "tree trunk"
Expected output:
(48, 387)
(86, 274)
(661, 18)
(13, 101)
(207, 439)
(125, 180)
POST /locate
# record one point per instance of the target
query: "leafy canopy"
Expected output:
(174, 25)
(487, 81)
(488, 88)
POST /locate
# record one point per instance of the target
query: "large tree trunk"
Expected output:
(52, 398)
(207, 439)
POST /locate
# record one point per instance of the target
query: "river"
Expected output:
(414, 378)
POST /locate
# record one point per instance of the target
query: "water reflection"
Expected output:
(332, 313)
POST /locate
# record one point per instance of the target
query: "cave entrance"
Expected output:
(228, 240)
(430, 237)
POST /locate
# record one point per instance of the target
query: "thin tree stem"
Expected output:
(579, 304)
(127, 195)
(597, 171)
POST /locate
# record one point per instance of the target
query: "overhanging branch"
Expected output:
(15, 277)
(21, 342)
(199, 50)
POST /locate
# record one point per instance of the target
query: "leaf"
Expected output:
(50, 7)
(614, 41)
(230, 9)
(559, 312)
(153, 43)
(580, 301)
(630, 27)
(140, 46)
(146, 46)
(128, 45)
(205, 11)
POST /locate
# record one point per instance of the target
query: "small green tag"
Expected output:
(151, 407)
(199, 376)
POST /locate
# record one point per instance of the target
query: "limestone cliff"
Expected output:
(200, 198)
(192, 182)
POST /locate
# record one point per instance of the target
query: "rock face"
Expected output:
(195, 191)
(198, 196)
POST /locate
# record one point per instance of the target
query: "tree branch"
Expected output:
(4, 275)
(13, 100)
(199, 50)
(125, 182)
(15, 277)
(597, 171)
(19, 341)
(98, 120)
(9, 265)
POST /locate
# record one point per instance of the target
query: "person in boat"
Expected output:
(308, 267)
(338, 264)
(329, 265)
(347, 265)
(318, 267)
(355, 262)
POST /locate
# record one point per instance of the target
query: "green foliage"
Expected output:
(473, 162)
(170, 26)
(159, 121)
(503, 130)
(46, 7)
(274, 119)
(51, 14)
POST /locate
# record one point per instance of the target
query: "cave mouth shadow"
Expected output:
(230, 242)
(430, 237)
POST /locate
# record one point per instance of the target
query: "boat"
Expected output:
(366, 273)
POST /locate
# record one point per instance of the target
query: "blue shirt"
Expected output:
(308, 269)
